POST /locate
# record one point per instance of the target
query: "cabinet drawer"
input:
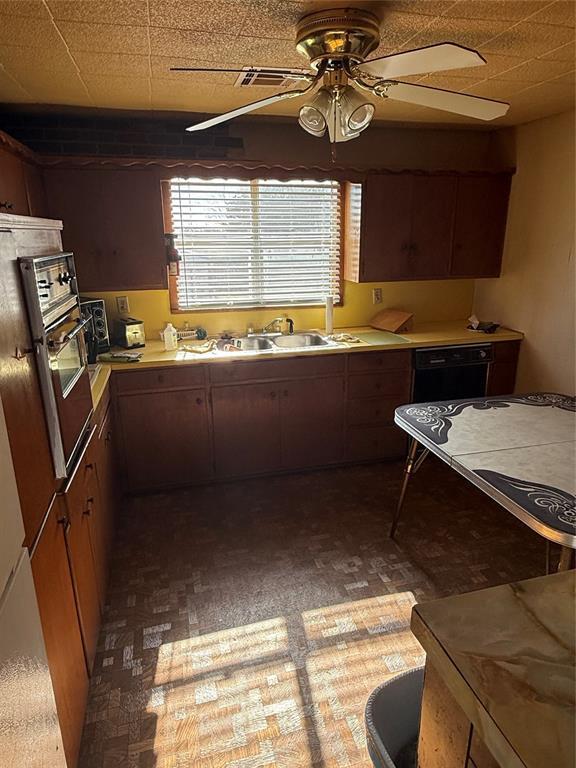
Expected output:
(81, 485)
(161, 378)
(102, 408)
(392, 383)
(380, 361)
(289, 368)
(365, 443)
(375, 410)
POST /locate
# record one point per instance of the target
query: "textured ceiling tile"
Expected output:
(114, 91)
(562, 53)
(540, 101)
(398, 29)
(501, 90)
(510, 10)
(69, 90)
(425, 7)
(527, 39)
(187, 44)
(10, 90)
(18, 30)
(53, 60)
(104, 37)
(30, 9)
(120, 64)
(167, 95)
(537, 71)
(472, 34)
(260, 51)
(161, 69)
(271, 18)
(561, 13)
(129, 12)
(202, 15)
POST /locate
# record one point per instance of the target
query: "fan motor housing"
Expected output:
(336, 34)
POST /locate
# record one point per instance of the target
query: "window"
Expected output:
(255, 243)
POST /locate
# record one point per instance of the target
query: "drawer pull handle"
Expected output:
(199, 401)
(90, 466)
(272, 395)
(89, 503)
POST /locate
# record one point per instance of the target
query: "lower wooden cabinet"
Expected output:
(272, 426)
(502, 370)
(82, 502)
(61, 629)
(246, 424)
(165, 437)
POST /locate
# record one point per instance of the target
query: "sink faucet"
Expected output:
(272, 326)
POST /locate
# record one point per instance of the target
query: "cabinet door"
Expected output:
(113, 223)
(13, 197)
(385, 239)
(23, 407)
(246, 421)
(104, 517)
(312, 422)
(433, 205)
(84, 574)
(166, 438)
(480, 225)
(61, 630)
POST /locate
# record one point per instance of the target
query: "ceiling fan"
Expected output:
(336, 43)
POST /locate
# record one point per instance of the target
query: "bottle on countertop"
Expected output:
(170, 336)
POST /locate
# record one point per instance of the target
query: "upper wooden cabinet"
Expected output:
(21, 186)
(416, 226)
(480, 225)
(113, 224)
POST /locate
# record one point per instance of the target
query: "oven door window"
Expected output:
(67, 355)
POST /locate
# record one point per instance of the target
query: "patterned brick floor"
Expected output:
(248, 622)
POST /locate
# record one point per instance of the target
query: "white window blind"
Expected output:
(256, 243)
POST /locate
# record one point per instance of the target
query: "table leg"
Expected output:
(566, 555)
(409, 468)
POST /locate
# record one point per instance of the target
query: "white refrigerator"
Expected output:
(29, 731)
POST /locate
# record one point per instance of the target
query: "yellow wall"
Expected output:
(535, 293)
(428, 300)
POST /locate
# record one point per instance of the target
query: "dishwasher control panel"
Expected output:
(452, 357)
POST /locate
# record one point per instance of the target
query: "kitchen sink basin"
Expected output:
(299, 340)
(250, 343)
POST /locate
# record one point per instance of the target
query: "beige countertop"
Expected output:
(98, 384)
(507, 654)
(424, 335)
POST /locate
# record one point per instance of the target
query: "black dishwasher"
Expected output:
(451, 373)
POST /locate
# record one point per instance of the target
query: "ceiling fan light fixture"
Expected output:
(313, 117)
(356, 113)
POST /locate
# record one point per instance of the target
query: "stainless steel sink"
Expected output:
(250, 343)
(300, 340)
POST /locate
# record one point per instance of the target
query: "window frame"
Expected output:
(173, 279)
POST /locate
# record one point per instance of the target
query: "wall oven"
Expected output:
(57, 332)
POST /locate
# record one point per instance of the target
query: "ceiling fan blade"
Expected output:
(290, 73)
(449, 101)
(433, 58)
(248, 108)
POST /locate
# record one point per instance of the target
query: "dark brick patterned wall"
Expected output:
(129, 135)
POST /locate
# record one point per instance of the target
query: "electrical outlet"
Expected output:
(376, 295)
(123, 305)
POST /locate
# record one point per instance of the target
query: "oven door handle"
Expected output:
(69, 336)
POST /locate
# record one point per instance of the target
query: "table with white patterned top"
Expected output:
(519, 449)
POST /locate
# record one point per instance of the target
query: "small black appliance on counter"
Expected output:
(96, 335)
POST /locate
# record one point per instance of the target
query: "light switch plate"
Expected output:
(376, 295)
(123, 304)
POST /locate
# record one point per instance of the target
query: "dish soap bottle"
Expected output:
(170, 336)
